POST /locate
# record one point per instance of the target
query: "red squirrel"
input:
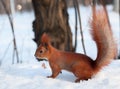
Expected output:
(82, 66)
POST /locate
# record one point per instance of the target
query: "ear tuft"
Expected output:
(45, 38)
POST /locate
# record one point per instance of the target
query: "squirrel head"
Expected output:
(43, 51)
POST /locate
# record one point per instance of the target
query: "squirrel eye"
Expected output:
(41, 51)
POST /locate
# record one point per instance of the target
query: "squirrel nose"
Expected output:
(35, 55)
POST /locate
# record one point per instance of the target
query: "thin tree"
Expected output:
(81, 32)
(13, 33)
(76, 24)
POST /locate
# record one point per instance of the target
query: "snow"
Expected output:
(33, 76)
(30, 74)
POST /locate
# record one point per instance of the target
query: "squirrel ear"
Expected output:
(45, 38)
(46, 45)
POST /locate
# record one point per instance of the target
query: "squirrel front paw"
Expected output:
(49, 76)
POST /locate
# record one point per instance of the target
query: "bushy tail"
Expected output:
(102, 35)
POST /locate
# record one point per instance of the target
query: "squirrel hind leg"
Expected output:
(83, 75)
(78, 79)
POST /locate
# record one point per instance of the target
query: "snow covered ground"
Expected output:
(30, 74)
(33, 76)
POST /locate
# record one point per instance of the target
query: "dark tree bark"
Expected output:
(51, 17)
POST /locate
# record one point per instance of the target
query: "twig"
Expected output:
(5, 52)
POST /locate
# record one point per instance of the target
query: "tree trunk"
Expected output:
(116, 6)
(51, 17)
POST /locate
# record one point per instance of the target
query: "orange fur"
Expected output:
(82, 66)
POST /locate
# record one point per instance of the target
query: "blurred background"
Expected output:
(26, 5)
